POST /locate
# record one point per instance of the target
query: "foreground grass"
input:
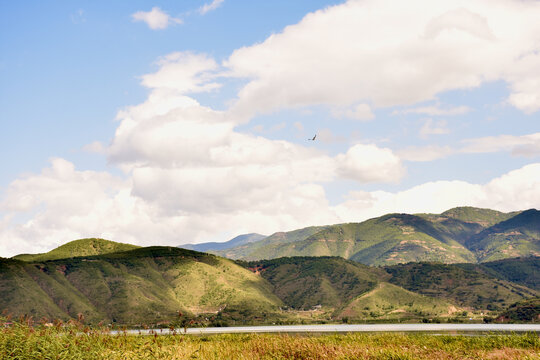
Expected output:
(20, 340)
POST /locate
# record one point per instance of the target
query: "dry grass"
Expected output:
(25, 340)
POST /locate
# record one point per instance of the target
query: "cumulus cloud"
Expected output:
(42, 211)
(516, 190)
(191, 175)
(369, 163)
(156, 19)
(188, 175)
(183, 72)
(342, 55)
(154, 206)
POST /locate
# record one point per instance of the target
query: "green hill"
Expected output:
(524, 271)
(389, 301)
(466, 285)
(304, 282)
(82, 247)
(132, 287)
(517, 236)
(345, 289)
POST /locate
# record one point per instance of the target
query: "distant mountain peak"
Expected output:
(236, 241)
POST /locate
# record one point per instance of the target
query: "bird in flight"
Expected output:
(313, 138)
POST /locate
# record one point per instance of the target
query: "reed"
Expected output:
(25, 338)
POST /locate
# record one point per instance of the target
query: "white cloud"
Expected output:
(431, 127)
(156, 19)
(190, 175)
(188, 171)
(369, 163)
(158, 206)
(161, 206)
(210, 7)
(388, 53)
(525, 82)
(516, 190)
(459, 20)
(183, 72)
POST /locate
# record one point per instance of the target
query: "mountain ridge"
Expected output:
(449, 237)
(154, 284)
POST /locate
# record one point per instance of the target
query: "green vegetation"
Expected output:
(523, 311)
(459, 235)
(75, 341)
(464, 284)
(517, 236)
(343, 290)
(391, 302)
(524, 271)
(163, 286)
(304, 282)
(82, 247)
(133, 287)
(484, 217)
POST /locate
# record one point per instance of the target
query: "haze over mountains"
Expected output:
(459, 235)
(125, 284)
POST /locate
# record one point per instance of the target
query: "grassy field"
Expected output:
(21, 340)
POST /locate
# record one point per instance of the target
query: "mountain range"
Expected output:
(168, 286)
(459, 235)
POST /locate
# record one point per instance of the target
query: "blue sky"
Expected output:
(174, 122)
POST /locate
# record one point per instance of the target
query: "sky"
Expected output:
(173, 122)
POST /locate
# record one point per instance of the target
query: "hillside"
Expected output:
(303, 282)
(142, 285)
(459, 235)
(524, 270)
(389, 301)
(393, 238)
(522, 311)
(467, 285)
(345, 290)
(517, 236)
(151, 285)
(82, 247)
